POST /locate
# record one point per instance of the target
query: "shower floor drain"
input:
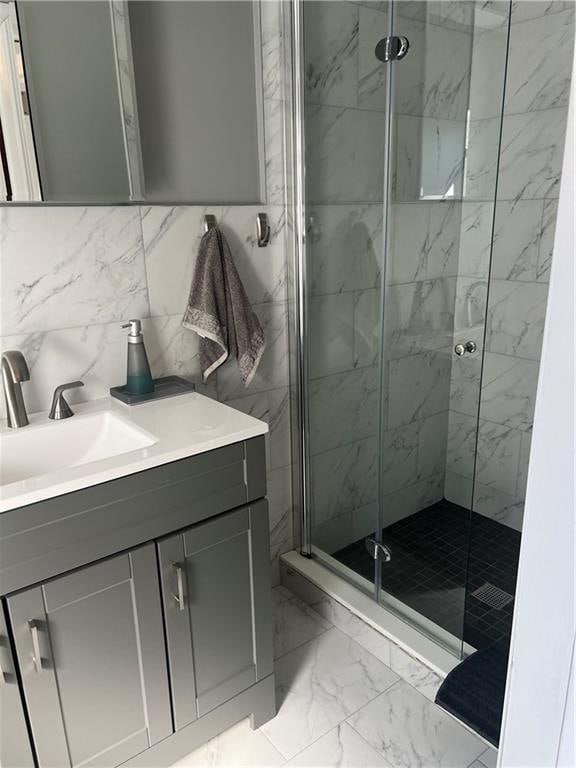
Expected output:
(492, 596)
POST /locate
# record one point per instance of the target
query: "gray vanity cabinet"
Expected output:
(14, 743)
(217, 607)
(92, 658)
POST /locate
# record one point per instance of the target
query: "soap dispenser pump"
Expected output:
(138, 377)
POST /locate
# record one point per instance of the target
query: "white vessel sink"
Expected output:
(41, 449)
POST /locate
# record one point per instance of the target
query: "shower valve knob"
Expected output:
(462, 349)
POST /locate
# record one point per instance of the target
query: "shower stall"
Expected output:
(410, 486)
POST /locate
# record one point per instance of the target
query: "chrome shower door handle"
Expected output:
(468, 347)
(179, 596)
(36, 657)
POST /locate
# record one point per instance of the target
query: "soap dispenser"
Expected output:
(138, 377)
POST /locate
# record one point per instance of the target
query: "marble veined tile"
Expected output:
(172, 236)
(238, 746)
(523, 10)
(367, 328)
(489, 758)
(274, 151)
(475, 239)
(419, 317)
(425, 240)
(279, 487)
(331, 53)
(271, 37)
(273, 408)
(432, 438)
(344, 479)
(331, 334)
(481, 160)
(531, 154)
(70, 266)
(465, 384)
(172, 349)
(461, 449)
(442, 158)
(447, 56)
(419, 386)
(509, 390)
(548, 230)
(319, 685)
(498, 505)
(407, 667)
(341, 747)
(373, 26)
(498, 456)
(540, 63)
(345, 153)
(294, 622)
(515, 322)
(488, 71)
(400, 457)
(409, 730)
(343, 408)
(408, 256)
(517, 233)
(96, 355)
(344, 247)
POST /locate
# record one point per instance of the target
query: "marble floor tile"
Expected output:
(294, 622)
(489, 758)
(319, 685)
(341, 747)
(410, 731)
(238, 746)
(399, 661)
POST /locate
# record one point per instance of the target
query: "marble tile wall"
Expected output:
(70, 275)
(533, 130)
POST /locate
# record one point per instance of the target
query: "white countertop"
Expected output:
(180, 426)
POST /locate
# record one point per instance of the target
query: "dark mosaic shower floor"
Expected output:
(429, 565)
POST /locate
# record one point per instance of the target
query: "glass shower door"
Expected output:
(401, 164)
(446, 101)
(345, 103)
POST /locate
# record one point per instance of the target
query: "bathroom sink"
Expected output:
(50, 446)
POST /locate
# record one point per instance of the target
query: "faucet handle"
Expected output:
(60, 408)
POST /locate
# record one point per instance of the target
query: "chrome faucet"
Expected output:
(14, 372)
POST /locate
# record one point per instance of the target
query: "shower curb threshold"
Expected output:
(365, 608)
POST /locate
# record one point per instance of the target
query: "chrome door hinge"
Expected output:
(392, 48)
(378, 551)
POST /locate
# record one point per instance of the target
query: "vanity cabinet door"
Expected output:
(92, 657)
(15, 749)
(217, 607)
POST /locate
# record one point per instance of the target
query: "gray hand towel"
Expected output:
(219, 311)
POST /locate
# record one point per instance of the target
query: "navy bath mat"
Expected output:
(474, 692)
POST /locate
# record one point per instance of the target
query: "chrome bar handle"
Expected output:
(36, 657)
(179, 596)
